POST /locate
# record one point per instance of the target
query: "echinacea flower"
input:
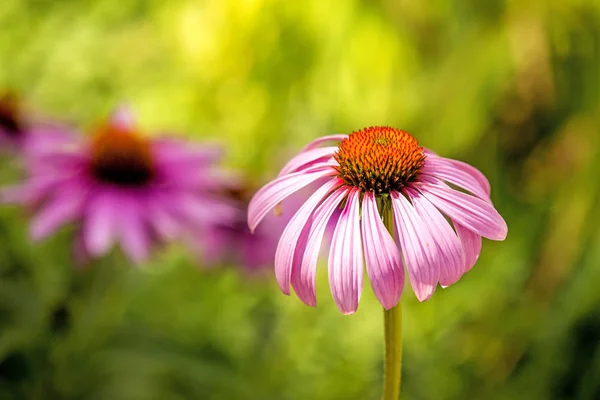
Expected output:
(437, 208)
(121, 187)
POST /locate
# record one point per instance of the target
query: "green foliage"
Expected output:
(510, 87)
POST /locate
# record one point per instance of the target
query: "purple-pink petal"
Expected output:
(471, 243)
(304, 275)
(447, 171)
(64, 207)
(473, 213)
(449, 246)
(463, 166)
(178, 153)
(308, 159)
(104, 212)
(134, 232)
(277, 190)
(324, 139)
(291, 245)
(382, 256)
(165, 223)
(418, 248)
(346, 257)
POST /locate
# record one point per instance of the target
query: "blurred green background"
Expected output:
(510, 87)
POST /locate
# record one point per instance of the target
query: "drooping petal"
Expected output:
(180, 153)
(304, 276)
(418, 248)
(291, 245)
(447, 171)
(32, 191)
(449, 246)
(65, 206)
(346, 258)
(382, 256)
(471, 245)
(469, 169)
(318, 142)
(104, 210)
(164, 222)
(275, 191)
(470, 211)
(307, 159)
(56, 162)
(134, 234)
(199, 210)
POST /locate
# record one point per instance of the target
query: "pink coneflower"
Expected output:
(120, 187)
(437, 208)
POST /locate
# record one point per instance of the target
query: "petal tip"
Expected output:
(425, 293)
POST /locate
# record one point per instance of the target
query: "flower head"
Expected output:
(121, 187)
(379, 174)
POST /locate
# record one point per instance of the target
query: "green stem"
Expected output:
(393, 330)
(393, 353)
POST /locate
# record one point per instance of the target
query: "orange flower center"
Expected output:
(379, 159)
(121, 156)
(10, 118)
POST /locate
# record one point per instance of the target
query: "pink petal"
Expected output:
(275, 191)
(418, 248)
(346, 258)
(307, 159)
(471, 244)
(318, 142)
(104, 210)
(304, 276)
(165, 224)
(180, 153)
(66, 162)
(33, 190)
(66, 206)
(471, 212)
(447, 171)
(382, 256)
(133, 229)
(292, 242)
(469, 169)
(195, 209)
(450, 249)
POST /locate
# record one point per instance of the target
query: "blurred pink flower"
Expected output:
(232, 242)
(120, 187)
(377, 170)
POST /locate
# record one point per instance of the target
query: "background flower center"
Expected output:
(379, 159)
(9, 115)
(121, 156)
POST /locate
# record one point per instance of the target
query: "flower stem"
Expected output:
(393, 353)
(393, 330)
